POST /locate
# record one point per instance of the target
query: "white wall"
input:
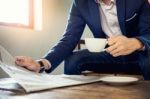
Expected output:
(28, 42)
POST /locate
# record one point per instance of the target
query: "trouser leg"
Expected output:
(100, 62)
(144, 64)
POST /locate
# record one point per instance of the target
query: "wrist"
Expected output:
(137, 44)
(42, 67)
(44, 64)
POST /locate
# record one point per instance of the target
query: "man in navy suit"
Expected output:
(126, 24)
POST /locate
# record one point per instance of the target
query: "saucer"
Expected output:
(119, 80)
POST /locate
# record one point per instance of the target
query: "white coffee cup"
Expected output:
(95, 44)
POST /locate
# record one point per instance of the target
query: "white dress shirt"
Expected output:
(109, 19)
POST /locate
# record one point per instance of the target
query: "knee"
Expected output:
(73, 62)
(71, 66)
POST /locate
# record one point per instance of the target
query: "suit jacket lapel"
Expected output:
(95, 17)
(121, 4)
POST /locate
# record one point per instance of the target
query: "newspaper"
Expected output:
(31, 81)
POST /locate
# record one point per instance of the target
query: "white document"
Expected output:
(31, 81)
(6, 57)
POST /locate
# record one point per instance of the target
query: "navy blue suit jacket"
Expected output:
(134, 21)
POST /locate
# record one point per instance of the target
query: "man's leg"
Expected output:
(100, 62)
(144, 64)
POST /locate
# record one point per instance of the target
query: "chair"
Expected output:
(81, 42)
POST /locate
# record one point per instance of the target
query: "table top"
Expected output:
(99, 90)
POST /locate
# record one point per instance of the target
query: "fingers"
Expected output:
(112, 47)
(23, 61)
(112, 40)
(20, 60)
(118, 45)
(28, 63)
(117, 51)
(121, 53)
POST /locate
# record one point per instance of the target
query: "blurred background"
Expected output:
(36, 42)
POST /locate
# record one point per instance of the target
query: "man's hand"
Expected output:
(121, 45)
(28, 63)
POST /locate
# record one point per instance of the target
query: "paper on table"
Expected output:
(6, 57)
(34, 82)
(31, 81)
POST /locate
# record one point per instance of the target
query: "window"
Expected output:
(20, 12)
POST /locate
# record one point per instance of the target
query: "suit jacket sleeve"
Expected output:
(144, 26)
(72, 35)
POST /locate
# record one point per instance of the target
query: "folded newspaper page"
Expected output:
(31, 81)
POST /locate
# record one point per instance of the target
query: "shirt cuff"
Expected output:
(47, 64)
(143, 48)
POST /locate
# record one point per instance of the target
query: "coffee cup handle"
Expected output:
(107, 42)
(105, 48)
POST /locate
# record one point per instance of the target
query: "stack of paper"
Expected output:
(31, 81)
(34, 82)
